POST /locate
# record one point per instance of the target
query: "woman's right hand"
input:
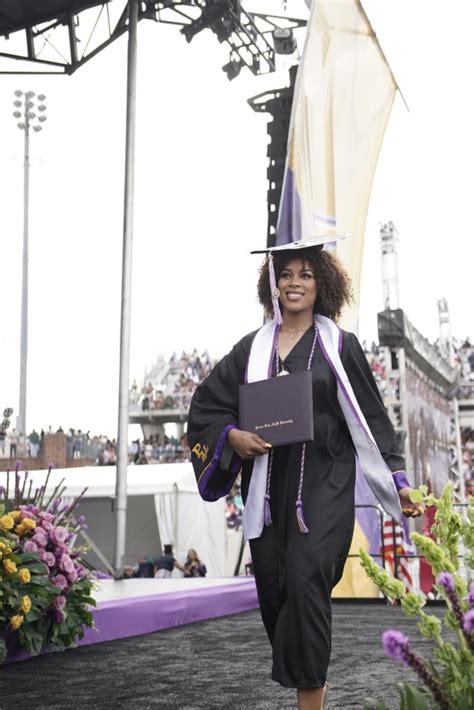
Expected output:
(246, 444)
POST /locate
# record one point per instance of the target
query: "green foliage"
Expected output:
(41, 604)
(452, 664)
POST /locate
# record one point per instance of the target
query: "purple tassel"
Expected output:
(300, 517)
(275, 291)
(267, 513)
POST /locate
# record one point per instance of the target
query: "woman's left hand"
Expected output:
(410, 510)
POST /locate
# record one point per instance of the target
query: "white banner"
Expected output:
(343, 97)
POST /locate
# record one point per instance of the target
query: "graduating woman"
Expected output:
(299, 498)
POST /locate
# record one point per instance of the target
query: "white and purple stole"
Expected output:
(376, 471)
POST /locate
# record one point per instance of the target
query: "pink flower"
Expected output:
(40, 538)
(30, 546)
(59, 581)
(41, 554)
(59, 603)
(66, 564)
(59, 535)
(46, 516)
(49, 559)
(72, 576)
(46, 526)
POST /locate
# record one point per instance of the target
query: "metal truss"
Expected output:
(65, 43)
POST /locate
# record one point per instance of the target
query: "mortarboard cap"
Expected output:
(320, 241)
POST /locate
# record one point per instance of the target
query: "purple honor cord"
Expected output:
(267, 515)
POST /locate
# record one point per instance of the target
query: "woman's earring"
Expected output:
(276, 292)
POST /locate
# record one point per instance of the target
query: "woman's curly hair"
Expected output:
(332, 281)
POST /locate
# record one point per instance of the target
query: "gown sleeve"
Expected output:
(370, 401)
(213, 412)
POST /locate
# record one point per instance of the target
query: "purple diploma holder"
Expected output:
(279, 410)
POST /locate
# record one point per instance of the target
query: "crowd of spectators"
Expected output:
(79, 445)
(176, 388)
(159, 449)
(388, 384)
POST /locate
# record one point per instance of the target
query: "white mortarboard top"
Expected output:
(320, 241)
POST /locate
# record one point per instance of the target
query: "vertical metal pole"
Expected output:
(21, 419)
(122, 438)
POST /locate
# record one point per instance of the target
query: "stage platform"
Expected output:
(132, 607)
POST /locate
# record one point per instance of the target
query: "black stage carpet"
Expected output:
(223, 663)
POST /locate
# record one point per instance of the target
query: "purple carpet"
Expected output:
(135, 607)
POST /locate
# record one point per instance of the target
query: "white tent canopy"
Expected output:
(164, 507)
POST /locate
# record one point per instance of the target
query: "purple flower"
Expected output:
(59, 535)
(66, 564)
(72, 576)
(46, 516)
(447, 582)
(30, 546)
(40, 538)
(2, 490)
(470, 596)
(59, 603)
(49, 559)
(394, 644)
(47, 526)
(59, 581)
(468, 625)
(41, 553)
(54, 505)
(59, 617)
(81, 520)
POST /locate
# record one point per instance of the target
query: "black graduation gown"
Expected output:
(295, 572)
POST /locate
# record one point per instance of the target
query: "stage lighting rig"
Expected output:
(220, 16)
(284, 40)
(232, 68)
(59, 43)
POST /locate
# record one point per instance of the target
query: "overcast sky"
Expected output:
(201, 205)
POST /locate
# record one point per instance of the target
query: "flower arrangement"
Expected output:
(45, 587)
(445, 681)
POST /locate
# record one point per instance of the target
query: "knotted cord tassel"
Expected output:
(267, 513)
(299, 503)
(275, 291)
(300, 517)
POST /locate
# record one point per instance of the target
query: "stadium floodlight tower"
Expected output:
(390, 284)
(25, 106)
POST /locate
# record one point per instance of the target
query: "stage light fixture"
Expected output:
(41, 97)
(18, 93)
(17, 114)
(232, 69)
(221, 16)
(283, 40)
(37, 128)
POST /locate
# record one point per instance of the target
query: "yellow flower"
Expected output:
(7, 551)
(25, 604)
(20, 529)
(10, 567)
(24, 575)
(15, 514)
(16, 621)
(6, 522)
(2, 545)
(28, 524)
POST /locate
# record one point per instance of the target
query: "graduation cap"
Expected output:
(300, 245)
(308, 243)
